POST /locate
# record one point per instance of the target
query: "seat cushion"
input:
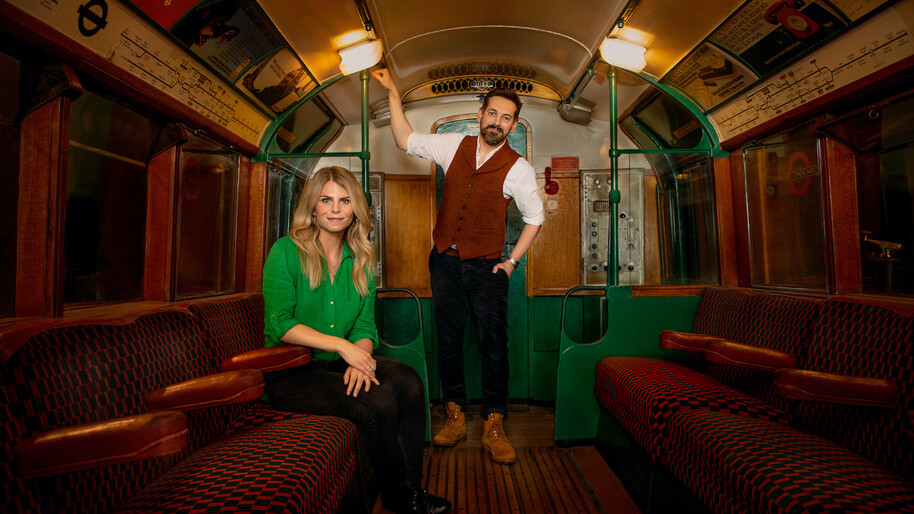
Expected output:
(257, 414)
(301, 464)
(233, 325)
(771, 467)
(722, 312)
(643, 393)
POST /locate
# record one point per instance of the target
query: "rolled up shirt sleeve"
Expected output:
(520, 184)
(438, 148)
(279, 294)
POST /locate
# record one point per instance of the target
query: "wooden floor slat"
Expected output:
(544, 479)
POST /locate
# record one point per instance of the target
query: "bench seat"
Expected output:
(643, 394)
(777, 468)
(300, 464)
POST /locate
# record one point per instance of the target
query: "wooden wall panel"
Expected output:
(42, 199)
(726, 235)
(256, 212)
(158, 283)
(740, 219)
(408, 222)
(651, 231)
(554, 260)
(841, 223)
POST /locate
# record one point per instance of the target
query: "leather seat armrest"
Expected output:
(209, 391)
(746, 356)
(801, 384)
(273, 358)
(113, 441)
(686, 341)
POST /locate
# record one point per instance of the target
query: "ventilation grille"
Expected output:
(479, 84)
(481, 68)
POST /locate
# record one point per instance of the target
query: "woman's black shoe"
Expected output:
(420, 502)
(436, 504)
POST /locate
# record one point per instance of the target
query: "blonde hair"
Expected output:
(304, 231)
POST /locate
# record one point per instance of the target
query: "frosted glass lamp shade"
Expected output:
(360, 56)
(623, 54)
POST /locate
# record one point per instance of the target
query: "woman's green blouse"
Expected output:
(335, 309)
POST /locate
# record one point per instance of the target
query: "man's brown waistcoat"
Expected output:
(472, 212)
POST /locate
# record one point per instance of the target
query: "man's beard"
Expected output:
(494, 136)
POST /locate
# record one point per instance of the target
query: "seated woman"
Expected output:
(319, 292)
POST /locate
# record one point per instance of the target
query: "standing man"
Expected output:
(482, 175)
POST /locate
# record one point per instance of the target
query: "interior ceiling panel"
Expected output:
(558, 42)
(555, 41)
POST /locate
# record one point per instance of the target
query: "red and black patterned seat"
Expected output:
(74, 374)
(302, 464)
(80, 372)
(643, 393)
(775, 322)
(722, 312)
(233, 325)
(738, 464)
(872, 340)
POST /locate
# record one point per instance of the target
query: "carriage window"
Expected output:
(680, 236)
(668, 122)
(309, 129)
(9, 181)
(206, 220)
(286, 181)
(886, 202)
(784, 200)
(685, 218)
(105, 228)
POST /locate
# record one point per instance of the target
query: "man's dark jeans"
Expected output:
(458, 287)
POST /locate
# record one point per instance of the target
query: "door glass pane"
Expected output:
(207, 224)
(685, 218)
(784, 202)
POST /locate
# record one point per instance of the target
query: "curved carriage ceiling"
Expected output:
(557, 44)
(554, 46)
(421, 38)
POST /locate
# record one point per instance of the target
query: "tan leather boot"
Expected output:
(496, 442)
(455, 427)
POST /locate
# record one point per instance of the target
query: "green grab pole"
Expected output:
(364, 77)
(612, 275)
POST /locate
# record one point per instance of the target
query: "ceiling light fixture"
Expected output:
(623, 54)
(360, 56)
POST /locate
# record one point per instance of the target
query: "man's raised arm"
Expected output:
(398, 124)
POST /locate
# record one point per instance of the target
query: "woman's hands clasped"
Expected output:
(361, 371)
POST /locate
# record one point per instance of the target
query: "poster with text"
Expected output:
(767, 34)
(227, 34)
(710, 76)
(278, 81)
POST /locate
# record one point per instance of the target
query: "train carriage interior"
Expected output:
(717, 314)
